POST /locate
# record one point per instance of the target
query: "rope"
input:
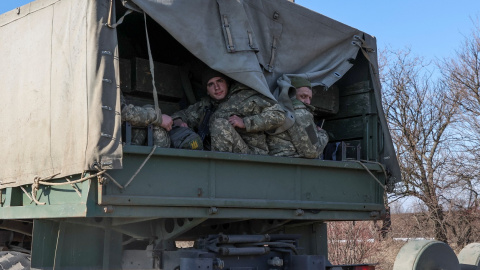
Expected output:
(108, 175)
(385, 197)
(114, 181)
(37, 181)
(49, 177)
(152, 71)
(119, 21)
(72, 182)
(35, 187)
(369, 172)
(133, 176)
(74, 187)
(379, 164)
(141, 166)
(26, 193)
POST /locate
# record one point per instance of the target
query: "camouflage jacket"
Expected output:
(194, 114)
(139, 116)
(258, 112)
(303, 139)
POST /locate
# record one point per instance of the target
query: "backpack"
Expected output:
(185, 138)
(333, 151)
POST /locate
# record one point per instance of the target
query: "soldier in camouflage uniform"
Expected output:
(198, 115)
(143, 116)
(304, 139)
(240, 122)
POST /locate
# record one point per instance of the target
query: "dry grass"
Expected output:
(386, 254)
(360, 242)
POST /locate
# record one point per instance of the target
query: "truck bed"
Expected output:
(176, 183)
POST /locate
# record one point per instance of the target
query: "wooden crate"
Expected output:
(136, 78)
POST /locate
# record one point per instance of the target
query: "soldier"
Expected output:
(240, 121)
(143, 116)
(197, 116)
(304, 139)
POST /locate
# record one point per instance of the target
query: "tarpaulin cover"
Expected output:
(59, 77)
(256, 42)
(58, 85)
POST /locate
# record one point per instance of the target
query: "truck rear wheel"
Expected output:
(14, 260)
(426, 254)
(469, 257)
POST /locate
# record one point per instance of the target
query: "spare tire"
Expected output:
(14, 260)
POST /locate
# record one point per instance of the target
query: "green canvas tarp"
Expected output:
(256, 42)
(60, 106)
(58, 85)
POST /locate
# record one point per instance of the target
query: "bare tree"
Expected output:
(352, 242)
(420, 110)
(462, 74)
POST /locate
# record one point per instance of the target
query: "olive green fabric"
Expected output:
(269, 37)
(257, 41)
(60, 106)
(298, 82)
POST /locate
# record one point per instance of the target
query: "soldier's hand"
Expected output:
(179, 123)
(236, 121)
(167, 122)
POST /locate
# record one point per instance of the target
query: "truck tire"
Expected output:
(14, 260)
(426, 254)
(469, 257)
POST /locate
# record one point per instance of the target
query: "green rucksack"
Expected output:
(185, 138)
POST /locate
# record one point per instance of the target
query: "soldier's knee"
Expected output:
(218, 125)
(139, 136)
(160, 137)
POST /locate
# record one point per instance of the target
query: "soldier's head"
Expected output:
(216, 83)
(303, 89)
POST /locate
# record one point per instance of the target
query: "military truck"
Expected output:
(77, 194)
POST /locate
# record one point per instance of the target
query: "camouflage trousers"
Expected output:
(225, 138)
(160, 136)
